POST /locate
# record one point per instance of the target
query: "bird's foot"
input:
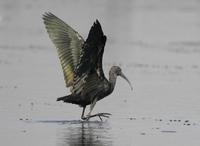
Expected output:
(100, 115)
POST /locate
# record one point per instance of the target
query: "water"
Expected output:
(155, 42)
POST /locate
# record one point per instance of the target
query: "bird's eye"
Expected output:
(118, 72)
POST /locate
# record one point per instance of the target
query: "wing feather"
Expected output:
(91, 49)
(68, 43)
(81, 60)
(90, 58)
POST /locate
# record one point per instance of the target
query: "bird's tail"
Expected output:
(61, 98)
(64, 98)
(69, 98)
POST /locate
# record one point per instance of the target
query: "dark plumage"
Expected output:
(81, 62)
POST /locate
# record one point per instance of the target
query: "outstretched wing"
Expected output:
(90, 62)
(81, 60)
(68, 43)
(92, 48)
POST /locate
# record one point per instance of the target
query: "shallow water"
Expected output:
(155, 42)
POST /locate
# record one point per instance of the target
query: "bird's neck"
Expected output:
(112, 80)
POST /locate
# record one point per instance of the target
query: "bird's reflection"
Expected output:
(85, 134)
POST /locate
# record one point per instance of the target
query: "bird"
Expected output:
(81, 62)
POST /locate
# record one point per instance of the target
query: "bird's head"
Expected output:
(117, 71)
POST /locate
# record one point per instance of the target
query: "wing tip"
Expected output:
(96, 22)
(47, 15)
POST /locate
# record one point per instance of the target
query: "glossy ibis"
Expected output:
(81, 62)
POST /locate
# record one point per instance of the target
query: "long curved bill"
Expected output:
(123, 76)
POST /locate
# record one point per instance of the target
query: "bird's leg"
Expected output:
(82, 116)
(95, 115)
(92, 107)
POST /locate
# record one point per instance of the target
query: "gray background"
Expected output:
(156, 43)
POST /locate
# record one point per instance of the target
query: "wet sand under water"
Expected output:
(160, 55)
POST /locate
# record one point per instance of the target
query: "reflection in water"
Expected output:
(85, 133)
